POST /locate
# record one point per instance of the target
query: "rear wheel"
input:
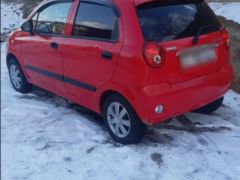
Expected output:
(210, 108)
(121, 121)
(17, 77)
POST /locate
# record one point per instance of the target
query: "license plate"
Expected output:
(198, 56)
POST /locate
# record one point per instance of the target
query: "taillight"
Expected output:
(226, 40)
(153, 54)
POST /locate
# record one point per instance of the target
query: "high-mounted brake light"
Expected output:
(226, 40)
(153, 54)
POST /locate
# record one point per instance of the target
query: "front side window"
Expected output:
(95, 21)
(34, 20)
(52, 19)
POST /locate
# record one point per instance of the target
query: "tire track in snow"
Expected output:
(206, 140)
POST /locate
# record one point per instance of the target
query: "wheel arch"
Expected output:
(9, 57)
(104, 97)
(104, 94)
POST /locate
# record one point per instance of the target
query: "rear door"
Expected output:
(91, 53)
(174, 24)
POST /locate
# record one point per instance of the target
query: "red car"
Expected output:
(135, 62)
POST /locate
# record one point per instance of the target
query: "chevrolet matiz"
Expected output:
(135, 62)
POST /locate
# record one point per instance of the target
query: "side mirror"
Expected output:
(28, 27)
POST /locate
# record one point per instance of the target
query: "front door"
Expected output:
(42, 51)
(90, 56)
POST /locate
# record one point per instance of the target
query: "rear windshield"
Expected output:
(170, 20)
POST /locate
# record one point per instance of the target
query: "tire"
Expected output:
(17, 77)
(128, 120)
(210, 108)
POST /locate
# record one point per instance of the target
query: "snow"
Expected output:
(229, 10)
(11, 17)
(46, 137)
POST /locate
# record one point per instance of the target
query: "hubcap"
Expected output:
(118, 119)
(15, 76)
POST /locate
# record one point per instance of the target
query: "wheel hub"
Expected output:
(15, 76)
(118, 119)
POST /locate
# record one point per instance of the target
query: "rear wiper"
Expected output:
(196, 37)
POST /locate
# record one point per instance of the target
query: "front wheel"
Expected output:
(17, 77)
(122, 122)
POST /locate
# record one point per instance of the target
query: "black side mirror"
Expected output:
(28, 27)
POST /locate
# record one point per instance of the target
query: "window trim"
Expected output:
(116, 26)
(44, 6)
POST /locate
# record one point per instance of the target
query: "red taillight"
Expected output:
(226, 39)
(153, 54)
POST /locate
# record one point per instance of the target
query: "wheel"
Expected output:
(210, 108)
(17, 77)
(122, 122)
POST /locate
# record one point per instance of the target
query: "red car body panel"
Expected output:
(79, 60)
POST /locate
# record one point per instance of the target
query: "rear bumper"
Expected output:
(184, 97)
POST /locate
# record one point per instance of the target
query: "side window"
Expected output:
(95, 21)
(34, 20)
(52, 19)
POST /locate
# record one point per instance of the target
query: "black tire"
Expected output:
(210, 108)
(137, 129)
(24, 87)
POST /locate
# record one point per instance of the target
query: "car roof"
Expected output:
(136, 2)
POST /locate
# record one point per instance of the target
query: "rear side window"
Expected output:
(52, 19)
(165, 21)
(95, 22)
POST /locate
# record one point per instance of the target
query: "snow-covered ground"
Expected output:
(11, 17)
(45, 137)
(230, 11)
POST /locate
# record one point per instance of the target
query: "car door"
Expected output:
(91, 54)
(42, 50)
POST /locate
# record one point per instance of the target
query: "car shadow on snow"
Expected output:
(39, 94)
(154, 134)
(164, 133)
(187, 125)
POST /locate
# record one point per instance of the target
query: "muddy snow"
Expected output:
(46, 137)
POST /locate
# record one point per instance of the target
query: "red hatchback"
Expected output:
(136, 62)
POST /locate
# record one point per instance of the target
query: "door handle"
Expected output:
(107, 55)
(54, 45)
